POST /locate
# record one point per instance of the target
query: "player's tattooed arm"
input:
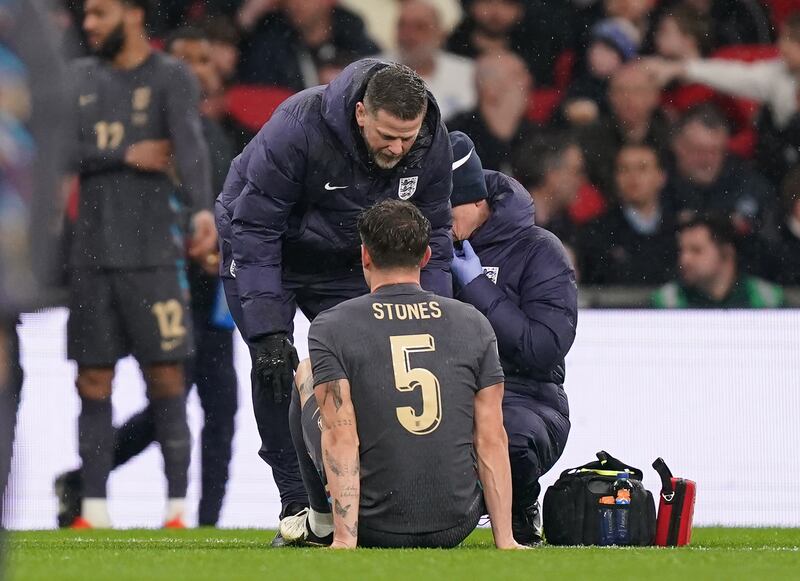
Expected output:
(340, 455)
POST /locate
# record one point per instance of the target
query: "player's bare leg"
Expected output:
(95, 443)
(167, 392)
(312, 526)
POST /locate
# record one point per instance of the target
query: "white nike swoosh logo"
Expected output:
(459, 162)
(329, 187)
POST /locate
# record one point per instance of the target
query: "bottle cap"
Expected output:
(623, 475)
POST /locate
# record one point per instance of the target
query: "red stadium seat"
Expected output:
(746, 52)
(562, 70)
(780, 9)
(588, 205)
(253, 105)
(542, 104)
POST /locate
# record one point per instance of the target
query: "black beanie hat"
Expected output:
(468, 183)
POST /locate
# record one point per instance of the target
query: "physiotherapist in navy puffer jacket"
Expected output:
(518, 275)
(287, 223)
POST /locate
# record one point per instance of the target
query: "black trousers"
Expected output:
(312, 294)
(537, 431)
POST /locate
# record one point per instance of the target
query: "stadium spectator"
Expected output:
(787, 269)
(635, 12)
(225, 53)
(533, 29)
(285, 42)
(683, 33)
(771, 82)
(634, 243)
(551, 167)
(287, 215)
(709, 273)
(635, 117)
(135, 107)
(707, 178)
(518, 276)
(498, 124)
(613, 43)
(451, 78)
(732, 21)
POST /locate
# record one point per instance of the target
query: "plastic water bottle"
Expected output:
(607, 529)
(622, 533)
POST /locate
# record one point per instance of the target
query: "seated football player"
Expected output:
(402, 393)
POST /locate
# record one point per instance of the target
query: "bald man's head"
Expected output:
(419, 32)
(633, 94)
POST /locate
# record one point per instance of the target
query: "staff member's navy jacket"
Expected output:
(292, 198)
(528, 291)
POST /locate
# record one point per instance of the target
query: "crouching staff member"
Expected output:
(518, 275)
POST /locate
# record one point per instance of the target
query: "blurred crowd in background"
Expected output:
(627, 120)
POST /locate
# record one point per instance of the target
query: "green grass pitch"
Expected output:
(230, 555)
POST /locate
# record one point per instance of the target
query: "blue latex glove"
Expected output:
(466, 267)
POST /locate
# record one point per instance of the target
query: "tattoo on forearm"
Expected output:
(342, 468)
(353, 530)
(307, 387)
(334, 389)
(333, 464)
(348, 492)
(341, 510)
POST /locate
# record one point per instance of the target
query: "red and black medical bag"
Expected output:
(676, 508)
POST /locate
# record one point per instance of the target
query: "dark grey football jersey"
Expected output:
(415, 362)
(128, 218)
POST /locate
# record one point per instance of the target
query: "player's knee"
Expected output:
(165, 381)
(304, 381)
(94, 383)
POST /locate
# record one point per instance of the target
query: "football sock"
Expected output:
(321, 523)
(317, 497)
(95, 444)
(172, 434)
(176, 508)
(95, 511)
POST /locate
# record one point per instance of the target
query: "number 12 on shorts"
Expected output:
(408, 378)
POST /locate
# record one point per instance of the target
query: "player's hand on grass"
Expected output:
(466, 267)
(342, 545)
(153, 155)
(204, 236)
(275, 362)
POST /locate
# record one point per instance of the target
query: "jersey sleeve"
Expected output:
(490, 372)
(326, 357)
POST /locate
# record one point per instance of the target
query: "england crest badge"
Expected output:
(491, 273)
(407, 187)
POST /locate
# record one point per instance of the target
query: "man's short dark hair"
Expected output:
(540, 155)
(395, 233)
(720, 228)
(645, 146)
(191, 33)
(707, 114)
(397, 90)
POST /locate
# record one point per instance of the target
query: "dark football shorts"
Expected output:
(115, 313)
(372, 538)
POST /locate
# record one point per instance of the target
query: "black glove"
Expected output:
(274, 364)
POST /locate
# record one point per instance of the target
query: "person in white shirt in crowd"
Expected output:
(420, 36)
(774, 83)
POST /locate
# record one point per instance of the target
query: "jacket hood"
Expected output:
(339, 109)
(512, 210)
